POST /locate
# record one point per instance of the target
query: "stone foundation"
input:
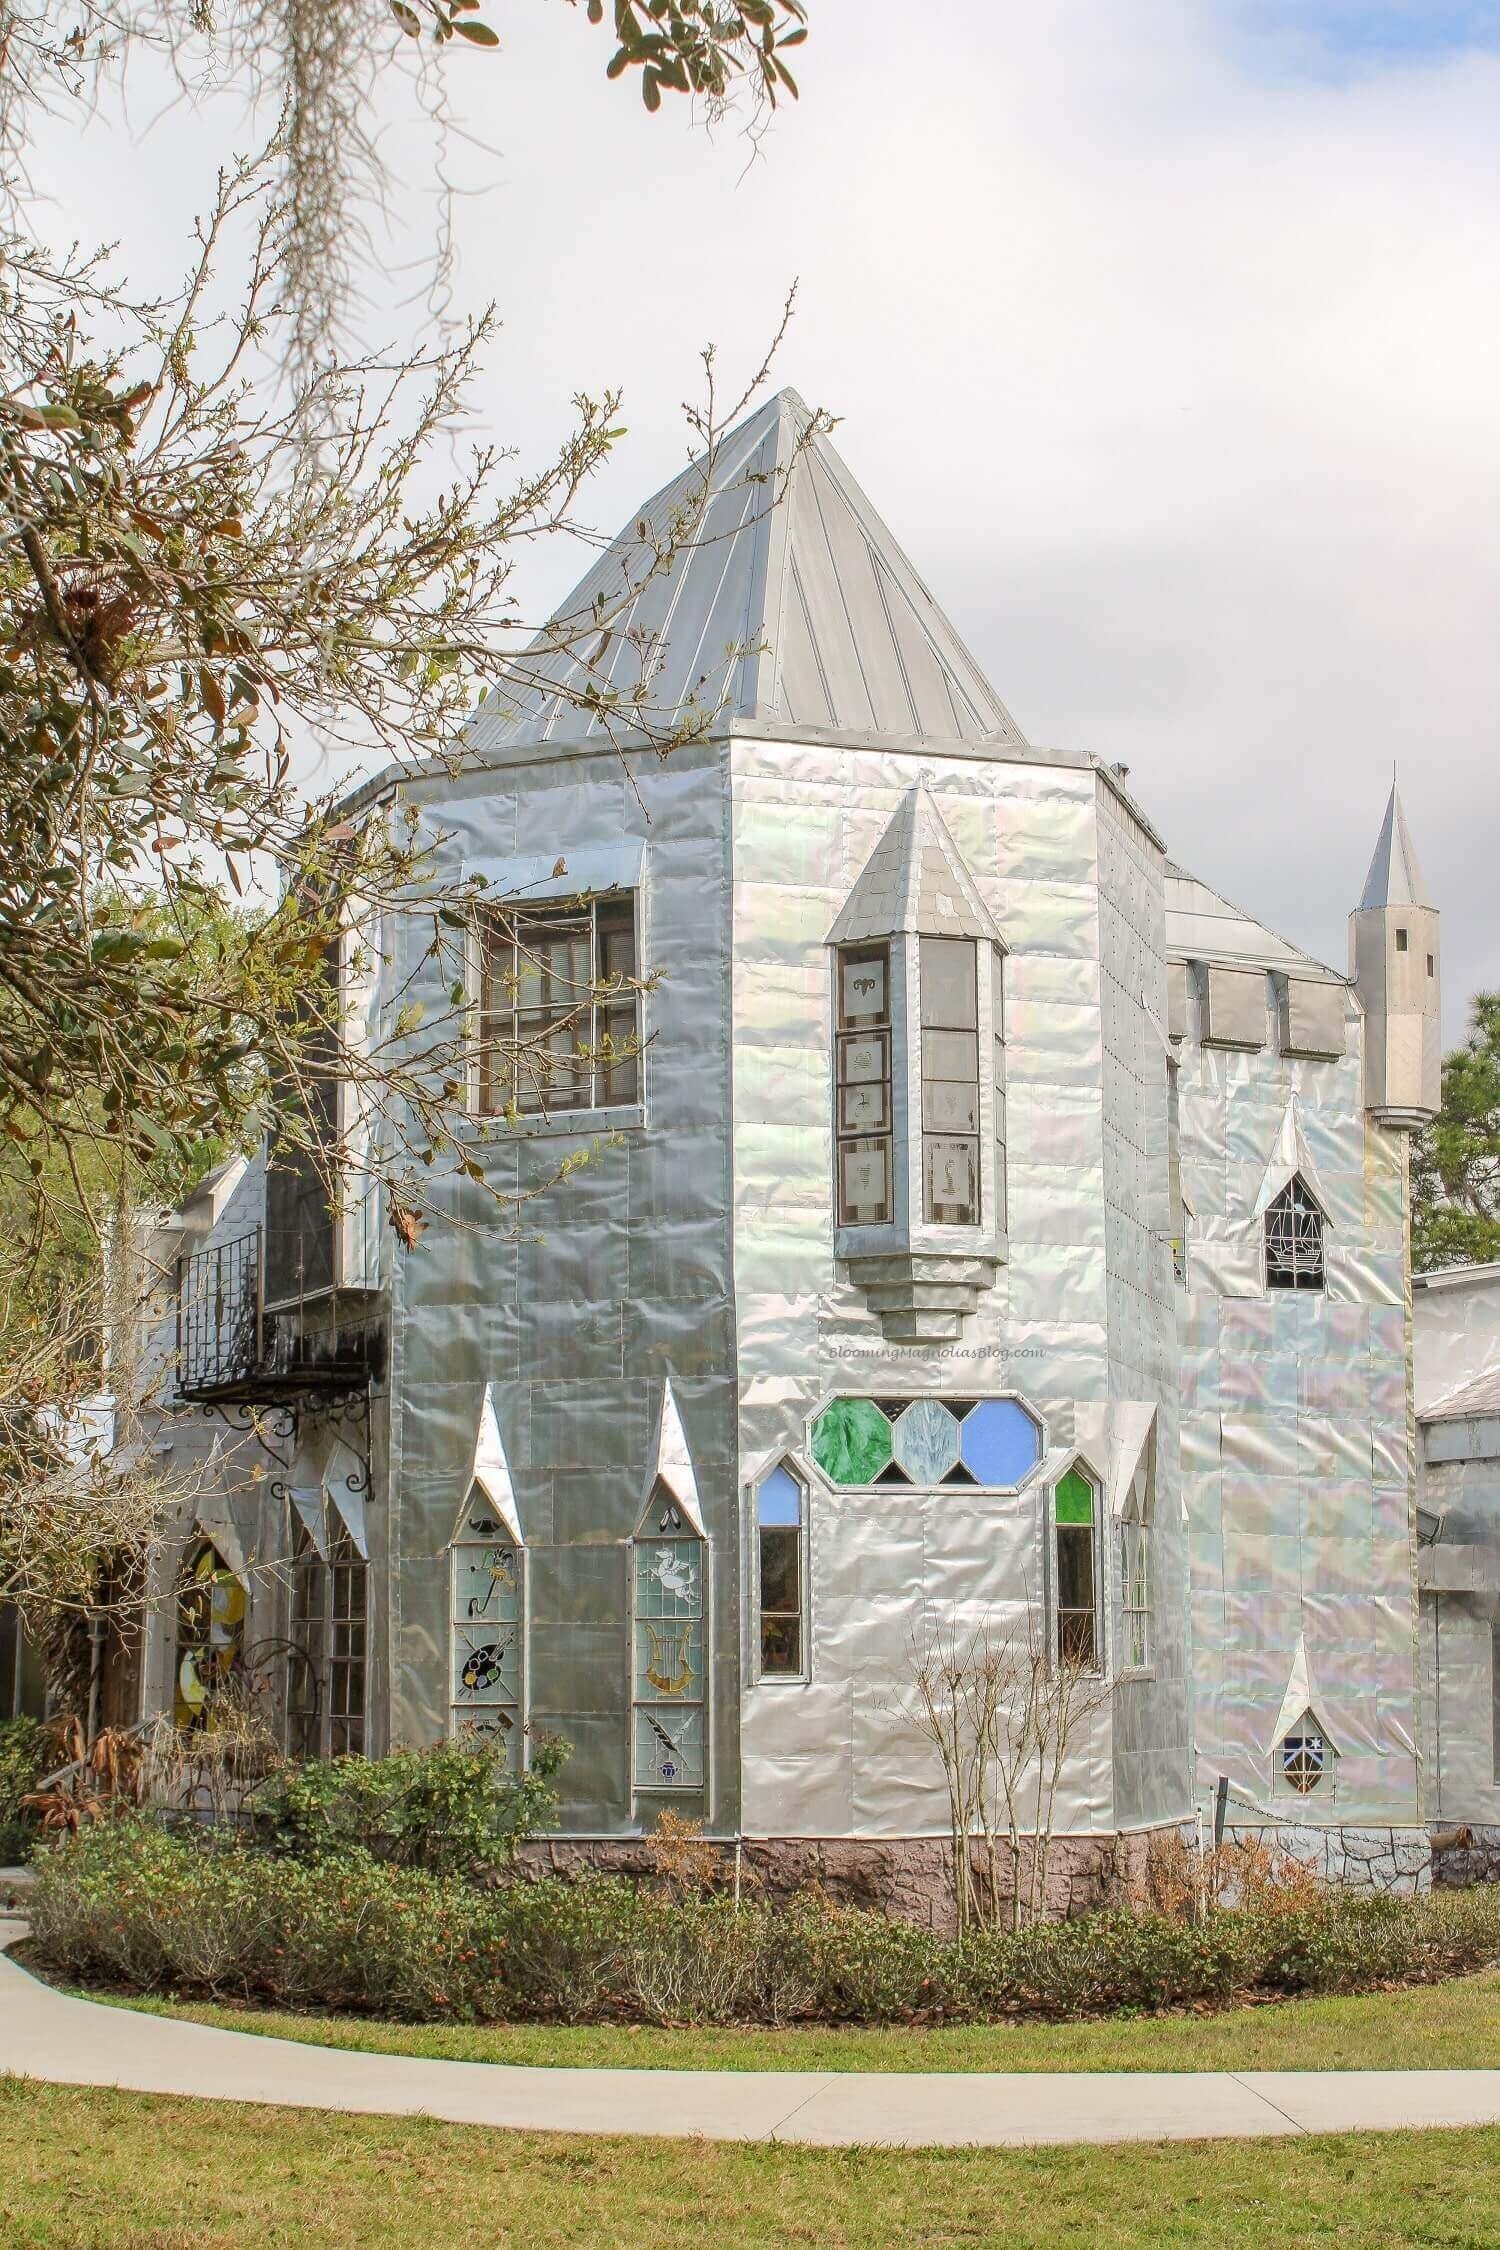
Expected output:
(1465, 1855)
(1362, 1859)
(909, 1878)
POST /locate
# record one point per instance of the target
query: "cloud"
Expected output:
(1166, 337)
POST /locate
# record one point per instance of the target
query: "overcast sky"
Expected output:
(1166, 338)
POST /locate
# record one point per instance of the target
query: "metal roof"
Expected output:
(790, 564)
(1479, 1396)
(915, 879)
(1203, 926)
(1395, 879)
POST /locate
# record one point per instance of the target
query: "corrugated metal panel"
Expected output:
(834, 626)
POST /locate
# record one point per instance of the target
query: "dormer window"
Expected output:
(1294, 1239)
(918, 1080)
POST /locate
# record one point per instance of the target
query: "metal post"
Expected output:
(1221, 1809)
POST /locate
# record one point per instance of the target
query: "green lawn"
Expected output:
(1450, 2026)
(82, 2169)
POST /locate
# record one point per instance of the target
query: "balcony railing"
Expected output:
(232, 1344)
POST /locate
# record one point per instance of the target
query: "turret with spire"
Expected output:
(1395, 964)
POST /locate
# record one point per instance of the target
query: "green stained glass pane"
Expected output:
(851, 1441)
(1075, 1499)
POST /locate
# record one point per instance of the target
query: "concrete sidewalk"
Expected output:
(46, 2035)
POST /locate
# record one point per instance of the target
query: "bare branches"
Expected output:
(1002, 1713)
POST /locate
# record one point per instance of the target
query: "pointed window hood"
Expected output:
(791, 566)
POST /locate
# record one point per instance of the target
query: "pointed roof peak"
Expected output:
(914, 880)
(791, 601)
(1395, 877)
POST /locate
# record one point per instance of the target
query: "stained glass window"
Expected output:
(1075, 1515)
(486, 1631)
(1304, 1758)
(926, 1442)
(559, 1007)
(1294, 1239)
(780, 1509)
(210, 1632)
(863, 1091)
(667, 1572)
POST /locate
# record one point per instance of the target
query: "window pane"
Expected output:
(1075, 1499)
(1075, 1567)
(862, 1062)
(779, 1501)
(619, 1079)
(947, 972)
(864, 1183)
(552, 960)
(864, 978)
(950, 1054)
(864, 1109)
(1075, 1638)
(952, 1182)
(548, 1071)
(616, 925)
(781, 1644)
(950, 1106)
(781, 1570)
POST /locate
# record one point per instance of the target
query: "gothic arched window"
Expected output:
(1294, 1239)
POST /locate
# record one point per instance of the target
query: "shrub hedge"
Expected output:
(129, 1902)
(23, 1761)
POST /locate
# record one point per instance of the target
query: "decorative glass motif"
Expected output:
(486, 1617)
(851, 1441)
(1074, 1507)
(779, 1534)
(1304, 1759)
(926, 1441)
(210, 1633)
(1294, 1239)
(668, 1684)
(999, 1443)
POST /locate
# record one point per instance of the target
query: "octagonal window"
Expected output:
(999, 1442)
(851, 1441)
(926, 1441)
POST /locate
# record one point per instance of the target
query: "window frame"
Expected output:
(848, 1032)
(307, 1635)
(1306, 1727)
(1137, 1618)
(585, 1016)
(1095, 1666)
(800, 1674)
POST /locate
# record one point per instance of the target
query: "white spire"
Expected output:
(670, 1466)
(491, 1471)
(1395, 879)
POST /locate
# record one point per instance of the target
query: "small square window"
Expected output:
(1431, 971)
(1401, 941)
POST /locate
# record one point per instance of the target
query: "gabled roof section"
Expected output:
(670, 1469)
(791, 564)
(1395, 879)
(1204, 926)
(915, 879)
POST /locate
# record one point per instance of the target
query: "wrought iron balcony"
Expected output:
(238, 1343)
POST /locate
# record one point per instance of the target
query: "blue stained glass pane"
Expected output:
(999, 1442)
(780, 1500)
